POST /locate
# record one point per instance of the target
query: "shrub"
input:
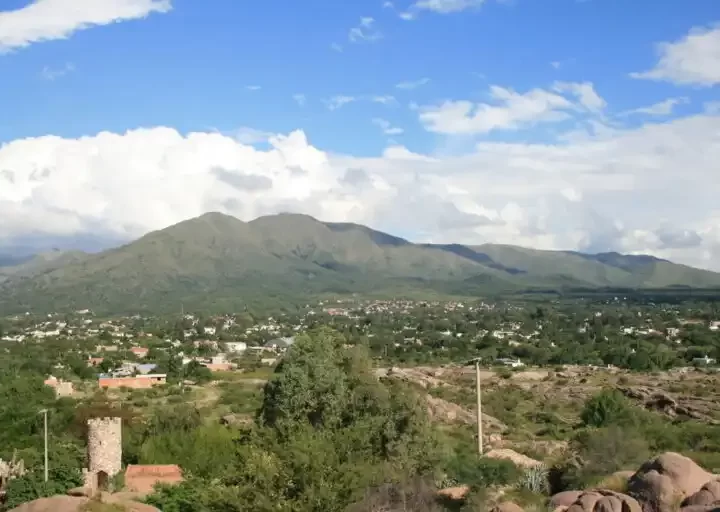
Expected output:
(467, 468)
(535, 479)
(609, 407)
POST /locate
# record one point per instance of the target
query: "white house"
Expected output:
(236, 347)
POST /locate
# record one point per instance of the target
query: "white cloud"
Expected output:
(616, 189)
(365, 31)
(336, 102)
(45, 20)
(692, 60)
(384, 100)
(511, 110)
(386, 127)
(413, 84)
(341, 100)
(585, 93)
(447, 6)
(300, 99)
(253, 87)
(336, 47)
(662, 108)
(439, 7)
(52, 74)
(247, 135)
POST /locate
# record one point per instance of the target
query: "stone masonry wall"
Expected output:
(105, 445)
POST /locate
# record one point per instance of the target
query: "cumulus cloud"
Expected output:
(691, 60)
(45, 20)
(509, 110)
(650, 189)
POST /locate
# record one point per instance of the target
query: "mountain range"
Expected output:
(218, 262)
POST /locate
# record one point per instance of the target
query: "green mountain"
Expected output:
(218, 262)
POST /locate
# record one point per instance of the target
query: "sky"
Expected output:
(589, 125)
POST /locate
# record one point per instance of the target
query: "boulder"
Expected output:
(564, 499)
(664, 482)
(62, 503)
(709, 494)
(603, 500)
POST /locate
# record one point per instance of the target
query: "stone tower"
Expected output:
(104, 451)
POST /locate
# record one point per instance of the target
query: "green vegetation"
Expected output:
(372, 406)
(220, 263)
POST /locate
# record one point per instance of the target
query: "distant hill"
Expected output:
(218, 262)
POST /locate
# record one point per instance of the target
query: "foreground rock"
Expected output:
(708, 495)
(62, 503)
(601, 500)
(663, 483)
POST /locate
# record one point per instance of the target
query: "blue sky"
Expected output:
(573, 124)
(189, 68)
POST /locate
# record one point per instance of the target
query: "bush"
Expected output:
(33, 486)
(609, 407)
(469, 469)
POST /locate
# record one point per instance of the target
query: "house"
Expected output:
(61, 387)
(140, 352)
(145, 369)
(142, 478)
(94, 361)
(137, 382)
(512, 363)
(220, 367)
(236, 347)
(280, 344)
(705, 361)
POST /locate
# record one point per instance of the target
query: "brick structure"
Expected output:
(104, 452)
(137, 382)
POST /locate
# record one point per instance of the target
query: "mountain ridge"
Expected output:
(219, 259)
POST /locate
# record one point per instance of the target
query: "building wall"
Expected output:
(129, 382)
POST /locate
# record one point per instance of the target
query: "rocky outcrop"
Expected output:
(601, 500)
(663, 483)
(658, 400)
(442, 410)
(520, 460)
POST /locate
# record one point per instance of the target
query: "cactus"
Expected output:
(535, 479)
(14, 468)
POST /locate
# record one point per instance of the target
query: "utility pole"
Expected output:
(479, 407)
(44, 412)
